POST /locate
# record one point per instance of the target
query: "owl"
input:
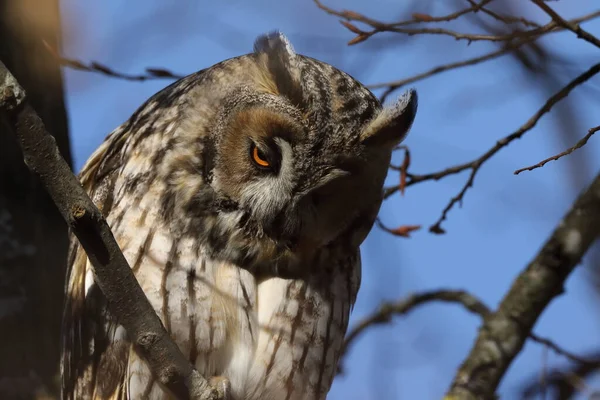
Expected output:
(239, 195)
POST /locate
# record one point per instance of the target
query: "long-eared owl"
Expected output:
(239, 195)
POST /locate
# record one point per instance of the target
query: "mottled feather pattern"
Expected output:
(252, 271)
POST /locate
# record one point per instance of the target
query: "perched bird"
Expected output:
(239, 195)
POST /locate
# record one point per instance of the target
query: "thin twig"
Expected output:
(505, 331)
(574, 27)
(578, 145)
(395, 85)
(559, 350)
(398, 28)
(552, 27)
(560, 379)
(151, 73)
(476, 164)
(543, 385)
(419, 17)
(125, 297)
(507, 19)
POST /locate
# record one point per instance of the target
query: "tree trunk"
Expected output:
(33, 236)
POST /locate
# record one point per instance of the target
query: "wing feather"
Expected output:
(86, 321)
(94, 358)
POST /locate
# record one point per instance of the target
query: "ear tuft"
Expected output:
(281, 62)
(274, 42)
(392, 124)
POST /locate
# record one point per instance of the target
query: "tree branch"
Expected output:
(398, 27)
(476, 164)
(504, 332)
(572, 26)
(562, 379)
(392, 86)
(126, 299)
(507, 19)
(578, 145)
(417, 17)
(387, 310)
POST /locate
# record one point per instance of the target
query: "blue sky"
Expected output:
(504, 219)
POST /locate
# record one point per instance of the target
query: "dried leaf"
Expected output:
(358, 39)
(404, 230)
(351, 27)
(404, 170)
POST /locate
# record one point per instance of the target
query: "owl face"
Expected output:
(297, 190)
(280, 154)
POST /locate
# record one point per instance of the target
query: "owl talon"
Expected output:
(222, 385)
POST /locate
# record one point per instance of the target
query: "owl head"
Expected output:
(274, 153)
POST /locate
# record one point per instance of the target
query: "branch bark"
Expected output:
(126, 299)
(504, 332)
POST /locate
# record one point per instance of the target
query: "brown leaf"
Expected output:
(358, 39)
(351, 27)
(404, 170)
(422, 17)
(404, 230)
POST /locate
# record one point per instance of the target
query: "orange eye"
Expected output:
(259, 158)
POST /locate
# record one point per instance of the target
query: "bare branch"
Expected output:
(476, 164)
(151, 73)
(504, 332)
(112, 272)
(578, 145)
(417, 17)
(566, 381)
(559, 350)
(399, 27)
(574, 27)
(507, 19)
(394, 85)
(387, 310)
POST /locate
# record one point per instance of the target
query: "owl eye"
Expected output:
(259, 158)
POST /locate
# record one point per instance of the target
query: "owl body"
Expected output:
(239, 196)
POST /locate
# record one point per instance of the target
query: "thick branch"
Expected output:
(113, 274)
(504, 332)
